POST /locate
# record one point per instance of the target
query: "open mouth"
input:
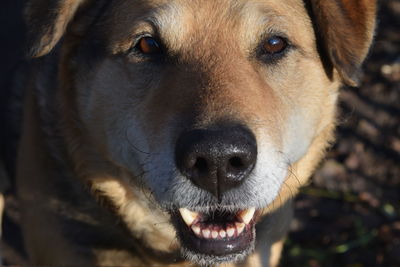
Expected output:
(217, 233)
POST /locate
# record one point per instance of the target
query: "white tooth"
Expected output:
(188, 216)
(247, 215)
(214, 234)
(230, 231)
(222, 234)
(239, 227)
(196, 229)
(206, 233)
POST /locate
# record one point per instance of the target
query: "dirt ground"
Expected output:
(350, 213)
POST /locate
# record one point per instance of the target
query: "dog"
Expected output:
(171, 132)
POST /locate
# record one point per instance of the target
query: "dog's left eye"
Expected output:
(275, 45)
(148, 46)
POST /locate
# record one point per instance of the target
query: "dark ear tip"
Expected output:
(30, 52)
(349, 70)
(37, 48)
(33, 53)
(352, 78)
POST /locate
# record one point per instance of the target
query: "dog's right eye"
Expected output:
(148, 46)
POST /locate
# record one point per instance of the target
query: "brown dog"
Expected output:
(173, 131)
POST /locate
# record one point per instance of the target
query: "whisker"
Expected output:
(289, 167)
(132, 145)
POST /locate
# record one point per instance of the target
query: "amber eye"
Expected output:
(148, 46)
(275, 45)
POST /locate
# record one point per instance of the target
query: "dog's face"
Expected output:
(208, 104)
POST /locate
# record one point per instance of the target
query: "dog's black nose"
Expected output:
(216, 159)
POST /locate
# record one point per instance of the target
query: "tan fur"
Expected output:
(290, 107)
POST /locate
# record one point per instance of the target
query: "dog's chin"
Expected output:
(215, 236)
(209, 260)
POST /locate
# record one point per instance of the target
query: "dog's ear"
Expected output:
(345, 30)
(47, 21)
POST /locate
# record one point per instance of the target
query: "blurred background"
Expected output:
(349, 215)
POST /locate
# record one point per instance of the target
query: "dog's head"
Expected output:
(216, 108)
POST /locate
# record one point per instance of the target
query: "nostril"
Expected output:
(237, 167)
(201, 166)
(236, 163)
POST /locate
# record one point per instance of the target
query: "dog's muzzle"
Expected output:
(216, 160)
